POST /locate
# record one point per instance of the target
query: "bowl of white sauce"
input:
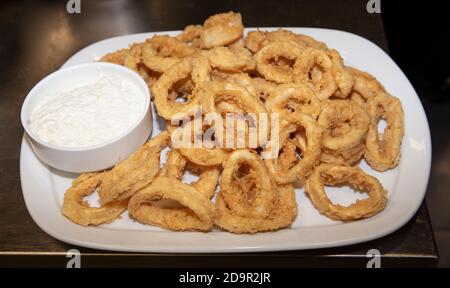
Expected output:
(87, 117)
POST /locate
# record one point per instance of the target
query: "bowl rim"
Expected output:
(54, 74)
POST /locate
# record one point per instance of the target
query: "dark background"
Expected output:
(37, 37)
(418, 35)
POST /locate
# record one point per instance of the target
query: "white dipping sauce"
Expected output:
(89, 115)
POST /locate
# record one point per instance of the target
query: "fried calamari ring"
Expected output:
(160, 53)
(220, 29)
(383, 149)
(287, 156)
(246, 186)
(190, 33)
(345, 126)
(256, 40)
(207, 179)
(311, 155)
(205, 156)
(222, 97)
(253, 40)
(197, 68)
(238, 44)
(234, 60)
(263, 87)
(244, 80)
(357, 98)
(365, 87)
(133, 173)
(79, 212)
(117, 57)
(220, 75)
(282, 214)
(315, 67)
(293, 98)
(291, 151)
(275, 61)
(349, 156)
(133, 57)
(344, 79)
(197, 213)
(258, 87)
(133, 61)
(168, 212)
(330, 174)
(176, 164)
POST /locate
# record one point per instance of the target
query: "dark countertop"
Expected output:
(38, 37)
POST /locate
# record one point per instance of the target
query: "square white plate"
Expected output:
(43, 187)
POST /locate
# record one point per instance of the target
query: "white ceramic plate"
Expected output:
(43, 187)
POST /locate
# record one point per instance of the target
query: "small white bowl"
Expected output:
(96, 157)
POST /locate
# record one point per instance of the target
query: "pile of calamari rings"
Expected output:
(329, 122)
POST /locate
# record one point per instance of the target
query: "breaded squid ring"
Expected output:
(273, 52)
(133, 57)
(233, 60)
(197, 213)
(311, 155)
(256, 40)
(345, 126)
(365, 87)
(133, 173)
(282, 214)
(263, 87)
(167, 211)
(331, 174)
(315, 67)
(293, 98)
(288, 157)
(117, 57)
(195, 67)
(220, 30)
(160, 53)
(174, 165)
(253, 40)
(215, 92)
(207, 180)
(383, 150)
(222, 97)
(205, 156)
(344, 79)
(190, 33)
(237, 44)
(133, 61)
(207, 176)
(246, 186)
(79, 212)
(242, 79)
(350, 156)
(258, 87)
